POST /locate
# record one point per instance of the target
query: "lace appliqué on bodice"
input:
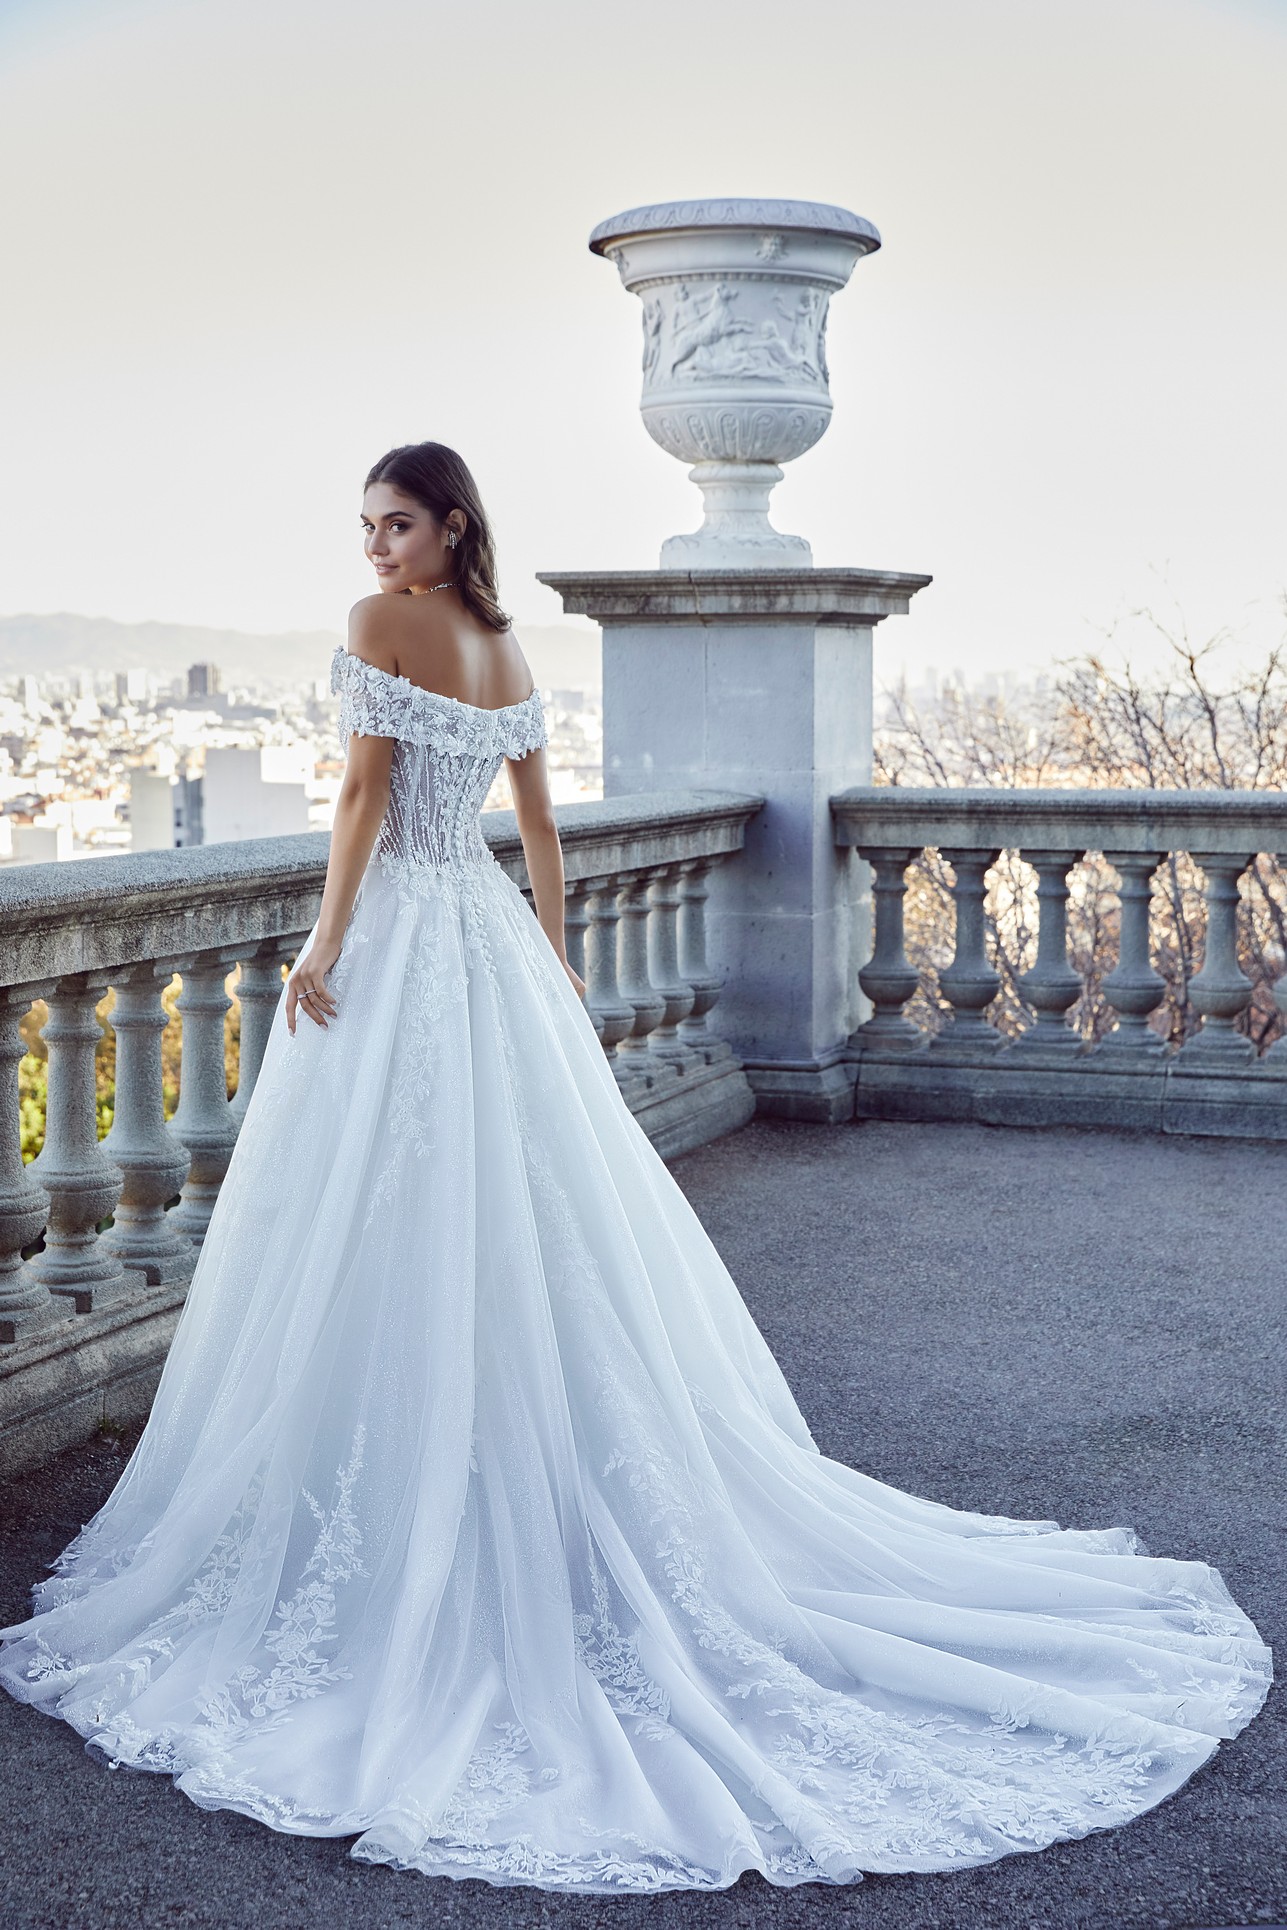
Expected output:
(446, 758)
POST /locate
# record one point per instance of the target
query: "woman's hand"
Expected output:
(577, 981)
(306, 989)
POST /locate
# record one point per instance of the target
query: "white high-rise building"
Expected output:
(42, 843)
(258, 793)
(154, 797)
(132, 686)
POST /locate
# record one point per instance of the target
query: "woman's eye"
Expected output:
(397, 526)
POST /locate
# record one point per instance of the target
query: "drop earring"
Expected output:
(452, 539)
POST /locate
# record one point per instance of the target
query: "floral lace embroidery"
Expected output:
(520, 1859)
(304, 1624)
(449, 943)
(376, 703)
(613, 1659)
(303, 1627)
(45, 1665)
(493, 1782)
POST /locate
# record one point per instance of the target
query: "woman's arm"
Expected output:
(530, 787)
(363, 801)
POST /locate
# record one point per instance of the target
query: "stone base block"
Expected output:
(162, 1268)
(821, 1092)
(58, 1387)
(1023, 1085)
(707, 1100)
(26, 1323)
(1251, 1104)
(97, 1296)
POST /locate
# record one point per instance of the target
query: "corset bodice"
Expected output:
(446, 756)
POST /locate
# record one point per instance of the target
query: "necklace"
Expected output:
(446, 584)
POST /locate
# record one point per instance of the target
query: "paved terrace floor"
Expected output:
(1058, 1324)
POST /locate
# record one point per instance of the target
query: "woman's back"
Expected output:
(436, 643)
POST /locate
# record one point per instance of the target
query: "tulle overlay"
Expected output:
(475, 1519)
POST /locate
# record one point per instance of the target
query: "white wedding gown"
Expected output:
(474, 1518)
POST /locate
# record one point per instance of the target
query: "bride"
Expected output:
(474, 1518)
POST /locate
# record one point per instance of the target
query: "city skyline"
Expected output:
(268, 243)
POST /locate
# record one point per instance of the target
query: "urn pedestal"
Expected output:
(758, 681)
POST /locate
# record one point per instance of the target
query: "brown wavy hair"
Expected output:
(436, 477)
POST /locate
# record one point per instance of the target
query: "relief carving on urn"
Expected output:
(735, 297)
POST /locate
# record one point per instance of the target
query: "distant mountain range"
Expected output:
(560, 656)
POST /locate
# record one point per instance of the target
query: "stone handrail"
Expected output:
(98, 1240)
(1216, 1082)
(1160, 821)
(100, 912)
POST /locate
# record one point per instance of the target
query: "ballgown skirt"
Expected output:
(474, 1518)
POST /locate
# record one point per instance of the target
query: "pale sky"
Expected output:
(248, 244)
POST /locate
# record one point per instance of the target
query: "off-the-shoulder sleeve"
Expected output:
(375, 703)
(522, 729)
(370, 705)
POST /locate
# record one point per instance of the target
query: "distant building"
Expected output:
(187, 810)
(154, 814)
(41, 843)
(257, 793)
(131, 686)
(204, 680)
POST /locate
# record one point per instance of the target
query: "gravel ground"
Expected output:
(1081, 1326)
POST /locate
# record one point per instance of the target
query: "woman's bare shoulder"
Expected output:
(517, 668)
(375, 627)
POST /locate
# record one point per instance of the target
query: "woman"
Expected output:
(474, 1518)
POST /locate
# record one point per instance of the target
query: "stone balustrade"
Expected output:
(87, 1310)
(1217, 1082)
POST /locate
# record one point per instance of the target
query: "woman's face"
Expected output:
(404, 541)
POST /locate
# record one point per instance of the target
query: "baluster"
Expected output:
(888, 978)
(634, 984)
(576, 918)
(1276, 959)
(152, 1161)
(1221, 991)
(613, 1016)
(1277, 1052)
(83, 1184)
(26, 1305)
(204, 1122)
(259, 991)
(668, 982)
(1134, 989)
(969, 981)
(706, 984)
(1052, 985)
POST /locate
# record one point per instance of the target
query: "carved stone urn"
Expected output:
(735, 297)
